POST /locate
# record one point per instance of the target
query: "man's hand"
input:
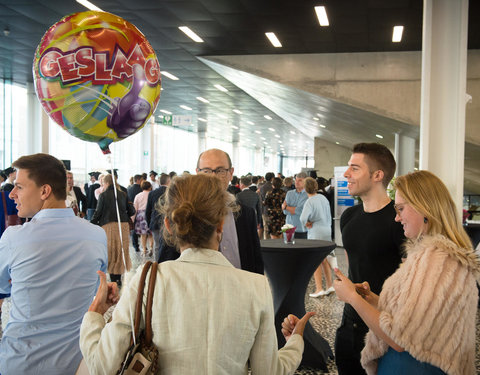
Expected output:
(309, 224)
(291, 209)
(344, 288)
(292, 325)
(107, 295)
(284, 205)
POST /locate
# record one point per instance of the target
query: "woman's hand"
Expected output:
(344, 288)
(364, 290)
(292, 325)
(107, 295)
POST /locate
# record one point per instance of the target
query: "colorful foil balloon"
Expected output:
(97, 76)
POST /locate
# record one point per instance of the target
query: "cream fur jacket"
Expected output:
(428, 307)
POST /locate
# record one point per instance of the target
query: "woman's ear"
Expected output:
(167, 225)
(220, 226)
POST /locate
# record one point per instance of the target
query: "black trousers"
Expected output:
(301, 235)
(349, 342)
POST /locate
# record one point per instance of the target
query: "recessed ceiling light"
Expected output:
(316, 119)
(322, 15)
(89, 5)
(234, 127)
(202, 99)
(267, 117)
(220, 87)
(191, 34)
(251, 123)
(258, 132)
(263, 138)
(273, 39)
(276, 135)
(397, 34)
(322, 126)
(271, 129)
(166, 112)
(337, 143)
(202, 119)
(280, 142)
(222, 116)
(265, 143)
(292, 132)
(169, 75)
(237, 111)
(185, 107)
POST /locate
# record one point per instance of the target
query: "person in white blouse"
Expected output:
(208, 317)
(317, 219)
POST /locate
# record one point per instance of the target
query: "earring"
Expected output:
(425, 220)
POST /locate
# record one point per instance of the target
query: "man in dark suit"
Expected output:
(240, 243)
(249, 198)
(90, 188)
(132, 192)
(153, 217)
(80, 201)
(254, 184)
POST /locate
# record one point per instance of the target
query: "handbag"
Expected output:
(9, 219)
(141, 357)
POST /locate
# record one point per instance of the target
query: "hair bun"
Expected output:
(183, 216)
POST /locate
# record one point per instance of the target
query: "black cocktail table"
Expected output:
(289, 269)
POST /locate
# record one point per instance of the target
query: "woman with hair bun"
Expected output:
(423, 321)
(208, 317)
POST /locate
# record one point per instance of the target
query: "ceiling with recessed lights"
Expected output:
(217, 101)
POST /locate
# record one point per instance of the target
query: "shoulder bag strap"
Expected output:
(148, 312)
(138, 307)
(5, 209)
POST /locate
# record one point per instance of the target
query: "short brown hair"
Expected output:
(246, 180)
(44, 169)
(277, 183)
(194, 206)
(311, 185)
(146, 185)
(377, 157)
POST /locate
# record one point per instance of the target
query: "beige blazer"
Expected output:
(208, 318)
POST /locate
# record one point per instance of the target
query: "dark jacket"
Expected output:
(90, 193)
(106, 211)
(81, 199)
(151, 214)
(248, 242)
(132, 191)
(251, 199)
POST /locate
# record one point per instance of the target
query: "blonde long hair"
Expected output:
(429, 196)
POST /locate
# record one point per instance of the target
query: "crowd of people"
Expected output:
(410, 294)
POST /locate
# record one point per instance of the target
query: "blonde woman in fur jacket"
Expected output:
(423, 322)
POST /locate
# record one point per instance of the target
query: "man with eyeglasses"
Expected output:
(240, 243)
(372, 240)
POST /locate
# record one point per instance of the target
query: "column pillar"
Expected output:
(202, 141)
(235, 154)
(404, 154)
(443, 101)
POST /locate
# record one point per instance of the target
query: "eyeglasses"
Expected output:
(221, 172)
(399, 208)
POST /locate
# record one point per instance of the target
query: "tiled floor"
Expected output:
(328, 314)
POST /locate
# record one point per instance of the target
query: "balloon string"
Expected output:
(110, 160)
